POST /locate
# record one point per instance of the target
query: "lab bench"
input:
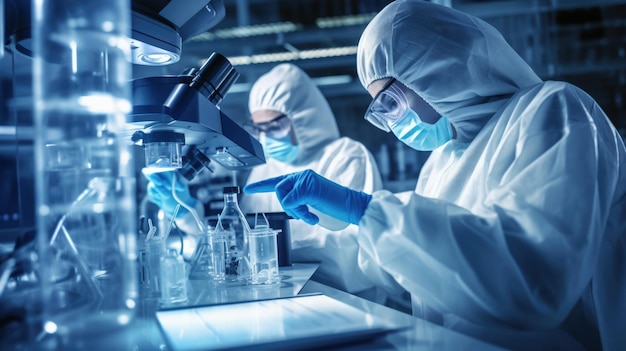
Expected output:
(145, 333)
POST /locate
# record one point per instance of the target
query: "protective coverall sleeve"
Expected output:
(338, 251)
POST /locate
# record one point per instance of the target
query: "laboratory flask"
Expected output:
(236, 229)
(85, 179)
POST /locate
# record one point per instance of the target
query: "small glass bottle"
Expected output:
(236, 230)
(173, 279)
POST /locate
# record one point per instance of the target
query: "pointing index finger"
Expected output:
(263, 186)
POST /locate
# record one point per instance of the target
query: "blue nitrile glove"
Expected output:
(160, 192)
(297, 190)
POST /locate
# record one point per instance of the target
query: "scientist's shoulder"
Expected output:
(559, 101)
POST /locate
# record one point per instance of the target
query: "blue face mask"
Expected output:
(280, 149)
(419, 135)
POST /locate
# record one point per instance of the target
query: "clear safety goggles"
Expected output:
(277, 128)
(387, 107)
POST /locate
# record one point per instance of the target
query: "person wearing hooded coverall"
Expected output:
(304, 135)
(516, 230)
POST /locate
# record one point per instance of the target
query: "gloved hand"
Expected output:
(297, 190)
(160, 192)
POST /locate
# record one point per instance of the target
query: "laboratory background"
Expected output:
(583, 42)
(225, 46)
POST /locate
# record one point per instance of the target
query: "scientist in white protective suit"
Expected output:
(297, 129)
(516, 231)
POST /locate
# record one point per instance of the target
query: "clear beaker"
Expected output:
(263, 253)
(84, 168)
(208, 259)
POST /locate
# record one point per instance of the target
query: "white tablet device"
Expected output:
(299, 322)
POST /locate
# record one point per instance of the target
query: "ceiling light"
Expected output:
(344, 21)
(248, 31)
(292, 56)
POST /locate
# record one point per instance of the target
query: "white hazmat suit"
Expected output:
(289, 90)
(516, 231)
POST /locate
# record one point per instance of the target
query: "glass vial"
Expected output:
(173, 279)
(207, 261)
(85, 178)
(236, 229)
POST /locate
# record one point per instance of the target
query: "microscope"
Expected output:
(177, 118)
(180, 126)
